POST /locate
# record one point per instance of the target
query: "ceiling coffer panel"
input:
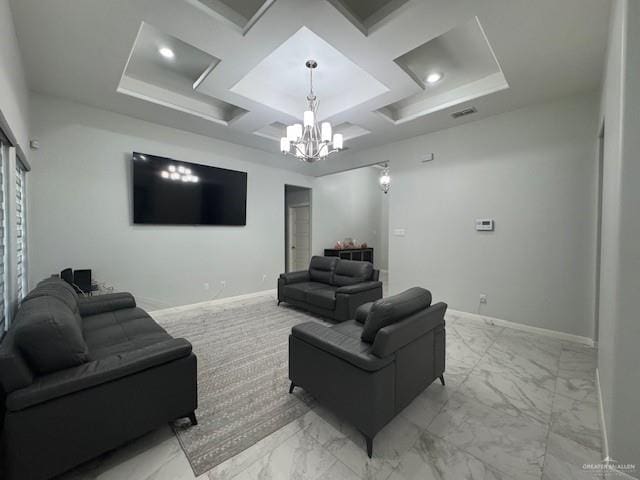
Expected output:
(450, 69)
(368, 14)
(170, 79)
(239, 14)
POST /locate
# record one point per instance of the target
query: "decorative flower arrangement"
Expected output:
(348, 243)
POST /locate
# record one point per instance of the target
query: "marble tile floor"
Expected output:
(517, 405)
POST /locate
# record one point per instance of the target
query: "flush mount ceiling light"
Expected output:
(434, 77)
(385, 179)
(166, 52)
(309, 141)
(179, 173)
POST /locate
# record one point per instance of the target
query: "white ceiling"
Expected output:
(371, 55)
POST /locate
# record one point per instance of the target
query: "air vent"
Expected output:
(465, 112)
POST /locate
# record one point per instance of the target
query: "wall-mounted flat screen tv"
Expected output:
(172, 192)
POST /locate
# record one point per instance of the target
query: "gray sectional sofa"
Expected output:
(82, 376)
(368, 369)
(331, 287)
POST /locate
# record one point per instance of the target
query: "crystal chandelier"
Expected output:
(309, 141)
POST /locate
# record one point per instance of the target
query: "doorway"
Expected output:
(297, 227)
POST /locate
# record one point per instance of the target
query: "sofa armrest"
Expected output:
(335, 343)
(295, 277)
(91, 374)
(358, 287)
(105, 303)
(395, 336)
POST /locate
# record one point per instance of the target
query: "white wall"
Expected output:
(619, 328)
(347, 204)
(532, 170)
(14, 93)
(79, 209)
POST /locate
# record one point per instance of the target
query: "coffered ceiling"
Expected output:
(237, 71)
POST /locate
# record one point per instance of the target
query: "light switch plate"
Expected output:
(399, 232)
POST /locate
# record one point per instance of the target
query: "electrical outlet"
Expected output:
(223, 283)
(264, 277)
(206, 286)
(483, 298)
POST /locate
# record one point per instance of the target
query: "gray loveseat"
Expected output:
(331, 287)
(368, 369)
(82, 376)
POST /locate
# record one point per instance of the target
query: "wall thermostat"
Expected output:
(484, 224)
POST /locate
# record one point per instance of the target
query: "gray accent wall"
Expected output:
(619, 322)
(80, 209)
(534, 172)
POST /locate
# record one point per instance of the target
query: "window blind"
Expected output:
(3, 290)
(21, 241)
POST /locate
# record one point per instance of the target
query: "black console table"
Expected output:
(361, 254)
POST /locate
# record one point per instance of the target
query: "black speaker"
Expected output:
(67, 275)
(82, 280)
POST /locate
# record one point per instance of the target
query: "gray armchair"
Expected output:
(370, 368)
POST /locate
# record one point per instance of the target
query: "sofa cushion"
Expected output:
(298, 291)
(350, 328)
(121, 331)
(324, 297)
(49, 335)
(59, 289)
(387, 311)
(350, 272)
(321, 269)
(60, 283)
(350, 349)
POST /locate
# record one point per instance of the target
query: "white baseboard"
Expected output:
(527, 328)
(217, 301)
(151, 303)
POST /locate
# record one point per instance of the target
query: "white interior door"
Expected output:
(299, 238)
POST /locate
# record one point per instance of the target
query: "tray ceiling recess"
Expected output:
(281, 80)
(366, 15)
(456, 67)
(165, 70)
(240, 14)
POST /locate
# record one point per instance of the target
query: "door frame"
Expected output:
(287, 220)
(290, 210)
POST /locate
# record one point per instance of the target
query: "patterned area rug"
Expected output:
(243, 385)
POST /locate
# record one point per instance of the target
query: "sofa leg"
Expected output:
(441, 379)
(291, 387)
(369, 446)
(193, 419)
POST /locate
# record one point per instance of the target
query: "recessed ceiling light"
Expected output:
(166, 52)
(434, 77)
